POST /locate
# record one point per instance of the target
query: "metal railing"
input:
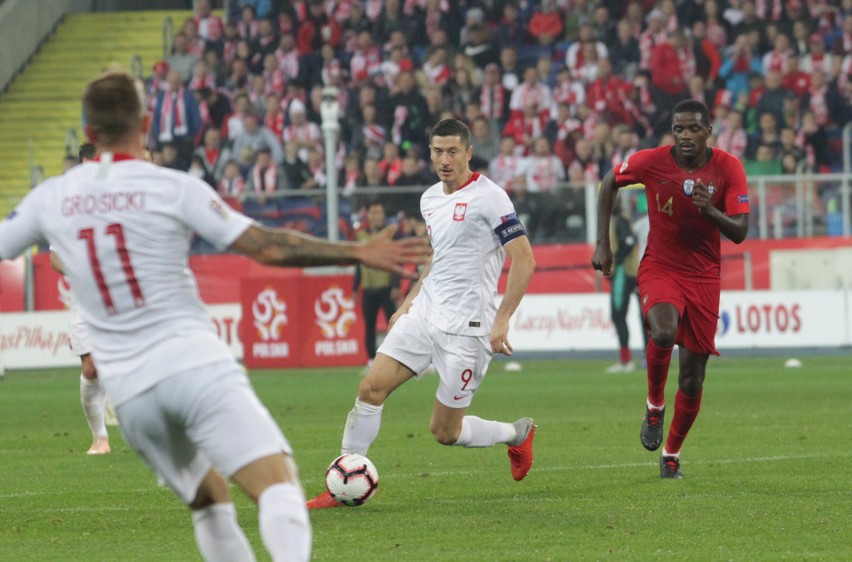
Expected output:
(168, 36)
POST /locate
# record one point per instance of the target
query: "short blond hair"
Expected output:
(113, 107)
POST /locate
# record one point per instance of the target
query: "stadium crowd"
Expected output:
(554, 91)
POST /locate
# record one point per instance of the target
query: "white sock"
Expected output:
(362, 428)
(93, 400)
(477, 432)
(667, 454)
(218, 536)
(652, 407)
(284, 524)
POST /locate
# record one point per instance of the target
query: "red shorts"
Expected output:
(696, 300)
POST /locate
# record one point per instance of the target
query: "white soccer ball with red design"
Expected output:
(352, 479)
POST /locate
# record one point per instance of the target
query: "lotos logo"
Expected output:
(269, 314)
(724, 323)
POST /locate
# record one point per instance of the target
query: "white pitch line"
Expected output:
(562, 468)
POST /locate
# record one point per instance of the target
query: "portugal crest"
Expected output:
(688, 187)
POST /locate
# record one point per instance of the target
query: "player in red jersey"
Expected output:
(694, 194)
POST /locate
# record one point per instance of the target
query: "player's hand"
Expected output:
(499, 338)
(701, 198)
(383, 252)
(602, 258)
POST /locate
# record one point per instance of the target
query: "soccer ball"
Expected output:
(351, 479)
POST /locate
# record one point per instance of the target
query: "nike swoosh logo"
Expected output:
(458, 397)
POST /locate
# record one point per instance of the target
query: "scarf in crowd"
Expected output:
(265, 181)
(768, 9)
(275, 123)
(818, 105)
(173, 116)
(373, 133)
(492, 101)
(231, 187)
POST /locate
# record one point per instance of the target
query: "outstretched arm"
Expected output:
(602, 258)
(289, 248)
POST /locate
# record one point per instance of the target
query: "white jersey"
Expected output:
(467, 229)
(122, 231)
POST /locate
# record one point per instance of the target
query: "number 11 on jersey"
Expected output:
(116, 231)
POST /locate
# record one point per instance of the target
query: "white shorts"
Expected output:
(78, 334)
(199, 419)
(461, 361)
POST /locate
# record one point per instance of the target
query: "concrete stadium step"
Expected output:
(43, 102)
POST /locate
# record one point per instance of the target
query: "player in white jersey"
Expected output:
(121, 228)
(92, 396)
(449, 318)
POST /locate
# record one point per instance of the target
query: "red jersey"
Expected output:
(681, 241)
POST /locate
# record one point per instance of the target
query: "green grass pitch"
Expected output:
(767, 471)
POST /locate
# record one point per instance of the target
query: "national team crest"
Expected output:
(459, 211)
(688, 187)
(711, 189)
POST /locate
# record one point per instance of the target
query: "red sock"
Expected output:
(658, 359)
(686, 410)
(624, 354)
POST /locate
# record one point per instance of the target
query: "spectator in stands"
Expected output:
(624, 51)
(369, 138)
(509, 64)
(390, 164)
(506, 166)
(213, 154)
(460, 90)
(655, 34)
(585, 52)
(776, 59)
(767, 134)
(157, 83)
(485, 141)
(793, 79)
(542, 173)
(372, 174)
(531, 91)
(232, 183)
(609, 95)
(480, 47)
(510, 28)
(210, 26)
(546, 24)
(202, 77)
(172, 158)
(198, 170)
(176, 116)
(738, 66)
(255, 137)
(764, 162)
(181, 60)
(789, 148)
(316, 164)
(671, 66)
(824, 101)
(524, 127)
(297, 174)
(265, 43)
(408, 113)
(196, 45)
(732, 137)
(772, 99)
(317, 29)
(817, 59)
(493, 97)
(306, 134)
(265, 177)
